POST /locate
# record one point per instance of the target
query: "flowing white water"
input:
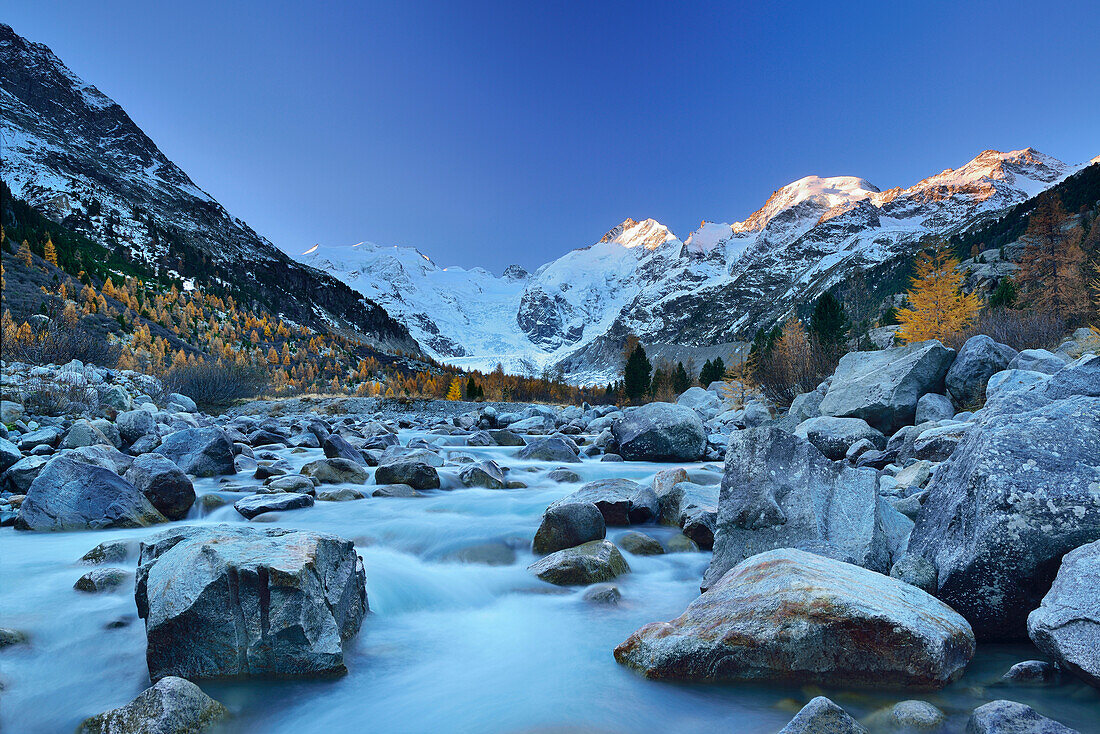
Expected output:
(452, 644)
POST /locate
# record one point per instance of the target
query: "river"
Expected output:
(461, 638)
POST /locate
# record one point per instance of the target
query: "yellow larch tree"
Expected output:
(938, 307)
(24, 254)
(455, 393)
(49, 252)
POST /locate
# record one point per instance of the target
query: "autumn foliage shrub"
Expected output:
(216, 385)
(58, 342)
(795, 363)
(1019, 329)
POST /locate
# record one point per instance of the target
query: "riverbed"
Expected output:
(461, 638)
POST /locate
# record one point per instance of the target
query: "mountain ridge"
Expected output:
(717, 285)
(75, 154)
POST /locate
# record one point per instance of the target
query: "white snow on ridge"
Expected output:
(640, 278)
(821, 193)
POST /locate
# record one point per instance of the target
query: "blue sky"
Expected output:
(492, 133)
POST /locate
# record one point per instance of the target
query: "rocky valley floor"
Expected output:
(474, 627)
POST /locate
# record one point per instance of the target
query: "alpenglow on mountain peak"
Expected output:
(715, 287)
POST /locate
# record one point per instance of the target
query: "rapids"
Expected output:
(461, 638)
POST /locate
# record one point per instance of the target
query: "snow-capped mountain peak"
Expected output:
(717, 286)
(707, 237)
(648, 234)
(1026, 171)
(817, 194)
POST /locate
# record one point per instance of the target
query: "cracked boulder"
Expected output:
(239, 601)
(779, 491)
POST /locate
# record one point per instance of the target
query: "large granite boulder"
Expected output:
(568, 525)
(801, 618)
(1066, 626)
(883, 387)
(588, 563)
(551, 448)
(1018, 493)
(1009, 717)
(72, 495)
(238, 601)
(978, 360)
(204, 452)
(778, 491)
(163, 484)
(833, 436)
(660, 432)
(171, 706)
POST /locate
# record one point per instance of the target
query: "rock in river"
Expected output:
(336, 471)
(567, 525)
(614, 498)
(822, 716)
(1009, 717)
(258, 504)
(798, 617)
(72, 495)
(237, 601)
(171, 706)
(660, 432)
(552, 448)
(589, 563)
(416, 474)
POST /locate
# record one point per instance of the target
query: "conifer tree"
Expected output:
(1004, 295)
(829, 323)
(1052, 269)
(680, 381)
(24, 254)
(455, 391)
(50, 252)
(938, 308)
(706, 373)
(636, 374)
